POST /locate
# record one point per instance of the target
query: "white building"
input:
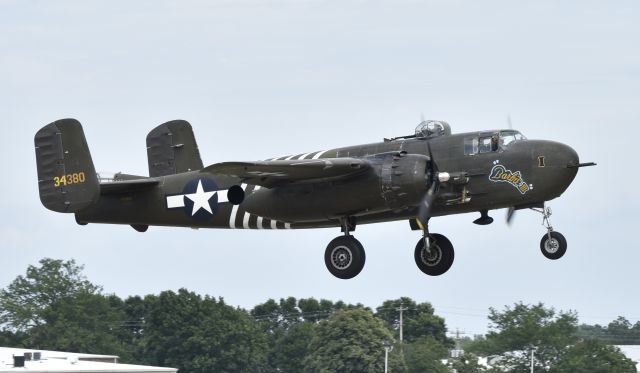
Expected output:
(40, 361)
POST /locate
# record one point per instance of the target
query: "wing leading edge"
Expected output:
(274, 173)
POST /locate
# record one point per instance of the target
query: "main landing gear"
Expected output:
(434, 253)
(344, 256)
(553, 244)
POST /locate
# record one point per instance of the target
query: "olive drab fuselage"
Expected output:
(413, 178)
(389, 191)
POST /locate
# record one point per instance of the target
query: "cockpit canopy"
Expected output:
(486, 142)
(433, 128)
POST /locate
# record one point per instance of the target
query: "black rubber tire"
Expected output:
(344, 257)
(439, 260)
(555, 248)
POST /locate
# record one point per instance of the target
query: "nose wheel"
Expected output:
(553, 244)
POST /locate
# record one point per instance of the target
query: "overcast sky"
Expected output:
(259, 79)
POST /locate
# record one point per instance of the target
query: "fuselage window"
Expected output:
(471, 146)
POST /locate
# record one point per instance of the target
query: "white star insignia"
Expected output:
(200, 199)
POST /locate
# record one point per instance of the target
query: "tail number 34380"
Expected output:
(69, 179)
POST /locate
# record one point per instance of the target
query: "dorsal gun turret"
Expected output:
(432, 128)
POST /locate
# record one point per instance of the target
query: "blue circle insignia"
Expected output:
(200, 198)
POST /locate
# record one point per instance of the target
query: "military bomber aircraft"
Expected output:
(414, 178)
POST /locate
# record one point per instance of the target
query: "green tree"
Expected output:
(351, 341)
(467, 363)
(592, 356)
(86, 322)
(518, 330)
(419, 320)
(25, 301)
(291, 348)
(284, 322)
(199, 335)
(425, 355)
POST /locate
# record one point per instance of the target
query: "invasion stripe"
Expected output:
(304, 155)
(319, 154)
(245, 220)
(234, 211)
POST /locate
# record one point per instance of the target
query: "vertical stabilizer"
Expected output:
(172, 149)
(67, 180)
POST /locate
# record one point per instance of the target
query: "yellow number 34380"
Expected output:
(69, 179)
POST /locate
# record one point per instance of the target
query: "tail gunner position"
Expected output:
(430, 173)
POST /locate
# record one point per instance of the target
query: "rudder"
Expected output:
(172, 149)
(67, 179)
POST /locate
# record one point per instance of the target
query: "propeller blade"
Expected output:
(424, 211)
(510, 213)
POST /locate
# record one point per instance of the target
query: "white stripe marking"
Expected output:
(234, 212)
(287, 225)
(232, 219)
(260, 222)
(175, 201)
(289, 157)
(245, 220)
(274, 224)
(222, 196)
(304, 156)
(319, 154)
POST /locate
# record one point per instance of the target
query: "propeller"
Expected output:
(424, 211)
(510, 214)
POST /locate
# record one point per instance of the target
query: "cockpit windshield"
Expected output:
(507, 137)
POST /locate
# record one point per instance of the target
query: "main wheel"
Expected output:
(553, 247)
(438, 258)
(344, 257)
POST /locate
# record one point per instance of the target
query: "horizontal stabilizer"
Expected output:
(273, 173)
(172, 149)
(128, 186)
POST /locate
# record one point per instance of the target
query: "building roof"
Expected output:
(632, 352)
(63, 362)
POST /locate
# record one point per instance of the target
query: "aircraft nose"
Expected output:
(558, 162)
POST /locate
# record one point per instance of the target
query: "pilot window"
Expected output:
(485, 145)
(482, 144)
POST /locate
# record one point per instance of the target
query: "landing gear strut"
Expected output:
(433, 253)
(345, 256)
(553, 244)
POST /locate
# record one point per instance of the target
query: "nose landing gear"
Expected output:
(553, 244)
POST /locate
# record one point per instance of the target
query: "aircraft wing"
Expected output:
(273, 173)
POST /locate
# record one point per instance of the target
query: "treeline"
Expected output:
(618, 332)
(54, 307)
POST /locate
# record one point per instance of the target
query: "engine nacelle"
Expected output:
(404, 179)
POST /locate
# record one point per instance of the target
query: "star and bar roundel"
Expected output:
(199, 199)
